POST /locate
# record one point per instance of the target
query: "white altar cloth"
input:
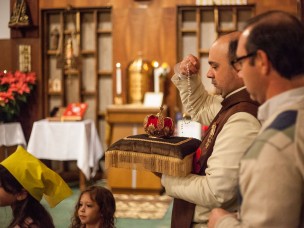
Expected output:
(11, 134)
(66, 141)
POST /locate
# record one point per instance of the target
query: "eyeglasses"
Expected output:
(238, 62)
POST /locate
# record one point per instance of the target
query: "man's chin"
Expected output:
(217, 91)
(213, 90)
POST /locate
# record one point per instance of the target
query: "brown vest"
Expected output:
(183, 211)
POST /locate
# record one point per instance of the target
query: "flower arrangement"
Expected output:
(15, 89)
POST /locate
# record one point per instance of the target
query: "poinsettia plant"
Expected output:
(15, 89)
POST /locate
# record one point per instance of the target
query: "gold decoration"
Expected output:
(20, 16)
(140, 80)
(210, 137)
(25, 58)
(158, 125)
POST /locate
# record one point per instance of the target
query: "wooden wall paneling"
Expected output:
(265, 5)
(151, 32)
(47, 4)
(121, 45)
(6, 60)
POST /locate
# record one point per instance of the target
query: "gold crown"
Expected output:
(158, 125)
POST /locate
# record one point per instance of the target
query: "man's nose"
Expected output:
(239, 74)
(209, 73)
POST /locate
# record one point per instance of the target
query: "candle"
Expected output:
(118, 79)
(157, 73)
(156, 76)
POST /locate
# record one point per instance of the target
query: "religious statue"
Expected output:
(69, 55)
(20, 16)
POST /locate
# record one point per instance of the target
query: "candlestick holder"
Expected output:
(118, 99)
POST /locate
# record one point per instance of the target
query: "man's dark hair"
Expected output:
(281, 36)
(232, 49)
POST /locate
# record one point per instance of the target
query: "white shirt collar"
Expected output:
(235, 91)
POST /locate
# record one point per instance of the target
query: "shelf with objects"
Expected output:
(77, 60)
(77, 63)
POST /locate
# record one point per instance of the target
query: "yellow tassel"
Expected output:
(149, 162)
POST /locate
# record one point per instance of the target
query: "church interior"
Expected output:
(96, 69)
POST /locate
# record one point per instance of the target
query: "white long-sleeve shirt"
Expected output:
(219, 187)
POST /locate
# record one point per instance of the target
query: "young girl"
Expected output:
(23, 181)
(95, 208)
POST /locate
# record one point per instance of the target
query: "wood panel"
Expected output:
(6, 61)
(148, 31)
(265, 5)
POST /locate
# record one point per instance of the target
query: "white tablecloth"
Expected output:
(66, 141)
(11, 134)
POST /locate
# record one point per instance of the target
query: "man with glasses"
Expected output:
(272, 171)
(238, 62)
(231, 116)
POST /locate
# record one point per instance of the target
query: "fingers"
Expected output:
(190, 65)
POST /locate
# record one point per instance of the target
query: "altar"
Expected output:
(68, 141)
(126, 120)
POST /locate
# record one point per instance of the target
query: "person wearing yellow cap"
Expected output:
(24, 180)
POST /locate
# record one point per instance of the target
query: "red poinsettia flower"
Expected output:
(6, 96)
(7, 78)
(14, 90)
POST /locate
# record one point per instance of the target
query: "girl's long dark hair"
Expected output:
(27, 208)
(106, 202)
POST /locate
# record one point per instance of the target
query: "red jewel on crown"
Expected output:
(158, 125)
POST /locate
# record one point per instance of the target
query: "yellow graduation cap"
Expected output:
(36, 177)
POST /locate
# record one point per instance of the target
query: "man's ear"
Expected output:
(263, 61)
(22, 195)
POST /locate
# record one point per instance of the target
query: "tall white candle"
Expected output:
(156, 76)
(157, 73)
(118, 79)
